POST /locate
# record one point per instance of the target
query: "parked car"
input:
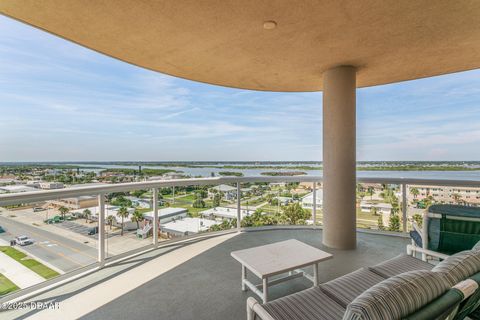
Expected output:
(23, 240)
(93, 231)
(38, 209)
(2, 230)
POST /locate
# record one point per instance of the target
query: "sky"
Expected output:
(62, 102)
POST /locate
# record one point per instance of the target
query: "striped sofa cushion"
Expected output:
(400, 264)
(309, 304)
(397, 297)
(459, 266)
(476, 247)
(346, 288)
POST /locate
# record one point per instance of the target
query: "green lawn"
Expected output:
(6, 286)
(143, 210)
(253, 202)
(32, 264)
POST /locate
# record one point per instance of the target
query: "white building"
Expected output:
(222, 213)
(382, 208)
(16, 188)
(51, 185)
(110, 211)
(307, 201)
(229, 193)
(166, 215)
(187, 226)
(172, 175)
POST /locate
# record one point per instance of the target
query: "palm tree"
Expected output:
(370, 192)
(122, 213)
(63, 211)
(110, 220)
(414, 192)
(86, 213)
(137, 216)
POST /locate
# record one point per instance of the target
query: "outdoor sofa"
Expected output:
(400, 288)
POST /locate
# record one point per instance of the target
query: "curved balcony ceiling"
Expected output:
(269, 45)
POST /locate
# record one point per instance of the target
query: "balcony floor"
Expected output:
(207, 286)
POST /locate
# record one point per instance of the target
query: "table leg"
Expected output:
(265, 290)
(315, 274)
(244, 277)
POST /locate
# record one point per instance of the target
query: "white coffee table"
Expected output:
(277, 258)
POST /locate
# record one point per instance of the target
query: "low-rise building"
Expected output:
(229, 192)
(442, 194)
(187, 226)
(16, 188)
(51, 185)
(380, 208)
(166, 215)
(172, 175)
(74, 203)
(307, 201)
(224, 213)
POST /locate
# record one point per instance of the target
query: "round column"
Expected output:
(339, 158)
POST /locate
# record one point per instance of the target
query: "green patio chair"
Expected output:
(448, 229)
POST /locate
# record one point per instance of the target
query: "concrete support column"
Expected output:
(101, 230)
(339, 157)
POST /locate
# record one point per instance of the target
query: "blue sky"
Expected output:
(62, 102)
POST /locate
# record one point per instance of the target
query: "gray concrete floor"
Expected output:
(208, 286)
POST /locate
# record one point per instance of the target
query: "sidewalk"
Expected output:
(17, 272)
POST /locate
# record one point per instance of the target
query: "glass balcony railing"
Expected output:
(58, 233)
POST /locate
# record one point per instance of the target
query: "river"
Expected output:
(255, 172)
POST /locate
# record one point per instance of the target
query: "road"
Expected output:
(63, 253)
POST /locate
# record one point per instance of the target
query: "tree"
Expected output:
(418, 219)
(201, 194)
(110, 220)
(394, 223)
(370, 192)
(63, 211)
(217, 198)
(87, 214)
(122, 213)
(414, 192)
(137, 216)
(121, 201)
(138, 193)
(295, 214)
(199, 203)
(381, 226)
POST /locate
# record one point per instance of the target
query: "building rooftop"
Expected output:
(224, 212)
(188, 225)
(167, 212)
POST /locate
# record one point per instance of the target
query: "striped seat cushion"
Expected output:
(460, 266)
(309, 304)
(476, 247)
(345, 289)
(398, 296)
(400, 264)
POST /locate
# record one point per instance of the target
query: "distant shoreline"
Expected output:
(267, 165)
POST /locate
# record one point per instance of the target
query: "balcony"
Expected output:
(112, 276)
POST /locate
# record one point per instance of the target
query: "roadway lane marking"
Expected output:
(61, 244)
